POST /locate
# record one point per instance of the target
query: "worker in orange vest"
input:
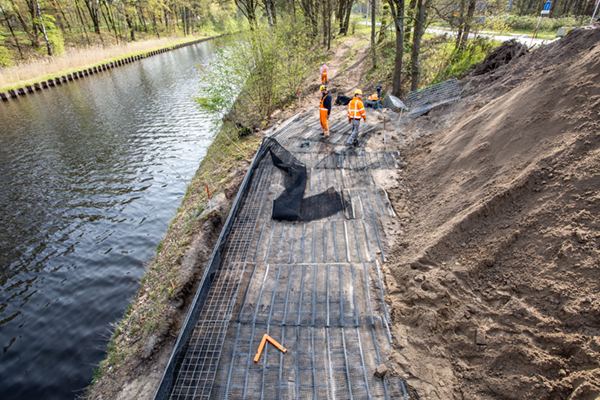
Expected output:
(356, 110)
(324, 69)
(373, 100)
(325, 110)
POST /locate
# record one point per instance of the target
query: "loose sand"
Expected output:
(494, 272)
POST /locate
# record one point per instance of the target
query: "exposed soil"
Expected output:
(493, 278)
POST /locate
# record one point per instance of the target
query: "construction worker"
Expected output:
(324, 69)
(373, 100)
(325, 110)
(356, 110)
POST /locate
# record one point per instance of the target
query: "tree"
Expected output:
(373, 44)
(416, 48)
(310, 9)
(248, 8)
(270, 10)
(465, 28)
(343, 15)
(397, 11)
(43, 27)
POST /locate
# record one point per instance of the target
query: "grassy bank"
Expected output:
(76, 59)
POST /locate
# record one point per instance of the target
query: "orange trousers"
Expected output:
(324, 122)
(324, 79)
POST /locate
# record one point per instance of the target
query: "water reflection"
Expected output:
(89, 180)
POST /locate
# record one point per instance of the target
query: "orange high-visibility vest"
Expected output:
(356, 109)
(373, 97)
(324, 69)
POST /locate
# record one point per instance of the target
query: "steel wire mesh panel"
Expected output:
(194, 379)
(333, 322)
(425, 99)
(315, 287)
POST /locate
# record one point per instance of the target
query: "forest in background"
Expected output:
(38, 29)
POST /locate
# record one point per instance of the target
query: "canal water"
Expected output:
(91, 173)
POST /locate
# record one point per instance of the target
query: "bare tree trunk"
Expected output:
(111, 18)
(373, 44)
(92, 6)
(410, 23)
(348, 12)
(155, 25)
(467, 23)
(270, 7)
(35, 28)
(326, 19)
(13, 34)
(397, 10)
(83, 27)
(414, 67)
(129, 21)
(43, 28)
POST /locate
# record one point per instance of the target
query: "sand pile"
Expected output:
(494, 279)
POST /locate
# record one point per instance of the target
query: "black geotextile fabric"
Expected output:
(291, 204)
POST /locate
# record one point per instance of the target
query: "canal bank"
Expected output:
(55, 75)
(142, 343)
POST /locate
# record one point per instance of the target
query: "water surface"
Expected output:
(91, 173)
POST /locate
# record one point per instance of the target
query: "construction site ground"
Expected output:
(487, 249)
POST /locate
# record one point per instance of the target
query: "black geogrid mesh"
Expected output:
(291, 204)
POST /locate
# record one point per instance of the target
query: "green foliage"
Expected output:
(528, 23)
(497, 24)
(459, 62)
(5, 57)
(266, 65)
(57, 42)
(220, 82)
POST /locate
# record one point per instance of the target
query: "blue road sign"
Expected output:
(547, 6)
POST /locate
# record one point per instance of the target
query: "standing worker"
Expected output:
(356, 110)
(324, 69)
(325, 110)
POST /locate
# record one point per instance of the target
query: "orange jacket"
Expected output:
(356, 109)
(373, 97)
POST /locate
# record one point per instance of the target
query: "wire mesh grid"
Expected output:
(199, 364)
(330, 314)
(425, 99)
(333, 323)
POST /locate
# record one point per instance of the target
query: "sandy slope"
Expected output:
(494, 276)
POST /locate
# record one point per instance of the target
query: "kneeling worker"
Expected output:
(325, 110)
(374, 100)
(356, 110)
